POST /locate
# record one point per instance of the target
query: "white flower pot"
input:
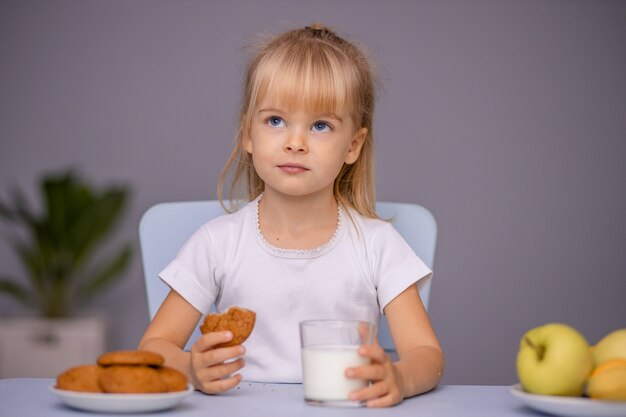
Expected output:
(37, 347)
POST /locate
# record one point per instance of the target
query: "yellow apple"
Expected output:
(611, 346)
(554, 359)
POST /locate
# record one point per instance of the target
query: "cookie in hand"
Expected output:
(239, 321)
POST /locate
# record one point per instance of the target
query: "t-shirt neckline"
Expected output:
(298, 253)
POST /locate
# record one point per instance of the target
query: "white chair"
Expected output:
(165, 227)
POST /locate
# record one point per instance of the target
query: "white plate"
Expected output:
(121, 403)
(570, 406)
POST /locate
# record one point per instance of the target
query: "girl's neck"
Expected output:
(297, 222)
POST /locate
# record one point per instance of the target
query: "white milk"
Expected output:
(323, 372)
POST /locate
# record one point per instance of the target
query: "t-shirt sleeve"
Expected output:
(396, 266)
(190, 273)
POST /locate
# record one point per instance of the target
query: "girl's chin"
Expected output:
(296, 192)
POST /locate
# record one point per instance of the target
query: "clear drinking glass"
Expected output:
(328, 348)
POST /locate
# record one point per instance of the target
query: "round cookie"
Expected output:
(82, 378)
(131, 379)
(238, 320)
(131, 357)
(174, 379)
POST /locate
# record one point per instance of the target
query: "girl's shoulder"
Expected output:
(370, 227)
(228, 223)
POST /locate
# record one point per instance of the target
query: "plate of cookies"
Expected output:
(123, 382)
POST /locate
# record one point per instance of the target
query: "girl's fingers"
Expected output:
(369, 392)
(215, 357)
(377, 395)
(384, 391)
(365, 331)
(386, 401)
(374, 352)
(208, 340)
(202, 359)
(220, 371)
(374, 372)
(210, 371)
(220, 385)
(218, 378)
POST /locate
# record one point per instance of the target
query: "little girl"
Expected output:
(308, 244)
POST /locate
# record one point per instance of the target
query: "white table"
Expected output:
(31, 397)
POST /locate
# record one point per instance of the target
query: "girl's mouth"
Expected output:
(292, 168)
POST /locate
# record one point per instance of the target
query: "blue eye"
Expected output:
(275, 121)
(321, 126)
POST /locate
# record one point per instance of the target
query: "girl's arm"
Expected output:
(420, 365)
(170, 330)
(421, 360)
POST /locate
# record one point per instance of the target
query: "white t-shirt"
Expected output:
(227, 262)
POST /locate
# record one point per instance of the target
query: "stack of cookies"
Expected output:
(130, 372)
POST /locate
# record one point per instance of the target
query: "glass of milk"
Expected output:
(328, 348)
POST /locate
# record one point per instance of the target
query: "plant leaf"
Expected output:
(20, 212)
(95, 224)
(6, 212)
(15, 290)
(111, 271)
(30, 262)
(58, 243)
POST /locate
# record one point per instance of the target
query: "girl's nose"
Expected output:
(296, 142)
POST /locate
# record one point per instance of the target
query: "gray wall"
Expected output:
(505, 118)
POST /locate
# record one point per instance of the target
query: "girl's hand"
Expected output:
(386, 388)
(208, 371)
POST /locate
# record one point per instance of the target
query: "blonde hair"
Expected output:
(314, 68)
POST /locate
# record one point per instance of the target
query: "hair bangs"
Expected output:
(307, 77)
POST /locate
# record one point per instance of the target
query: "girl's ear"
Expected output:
(247, 143)
(355, 146)
(246, 138)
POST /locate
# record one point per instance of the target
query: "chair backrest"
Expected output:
(165, 227)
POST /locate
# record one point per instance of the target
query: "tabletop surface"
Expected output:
(32, 397)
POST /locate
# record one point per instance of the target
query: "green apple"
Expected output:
(611, 346)
(554, 359)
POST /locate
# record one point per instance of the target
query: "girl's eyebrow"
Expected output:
(331, 116)
(318, 115)
(269, 109)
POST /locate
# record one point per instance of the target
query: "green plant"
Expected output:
(57, 247)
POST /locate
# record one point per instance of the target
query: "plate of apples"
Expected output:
(561, 374)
